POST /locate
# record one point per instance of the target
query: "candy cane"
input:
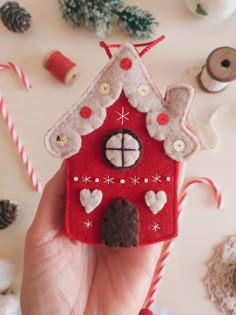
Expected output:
(11, 127)
(18, 72)
(166, 248)
(21, 150)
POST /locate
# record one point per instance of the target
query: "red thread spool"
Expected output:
(61, 67)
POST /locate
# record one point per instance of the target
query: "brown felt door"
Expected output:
(120, 224)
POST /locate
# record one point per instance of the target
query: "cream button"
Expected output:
(105, 88)
(143, 90)
(179, 145)
(62, 140)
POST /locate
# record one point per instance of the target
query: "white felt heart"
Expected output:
(155, 201)
(90, 200)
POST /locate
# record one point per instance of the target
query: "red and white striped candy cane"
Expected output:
(11, 127)
(21, 150)
(166, 247)
(18, 71)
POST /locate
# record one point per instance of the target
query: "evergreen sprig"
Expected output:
(72, 11)
(98, 16)
(137, 22)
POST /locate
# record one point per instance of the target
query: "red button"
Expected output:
(162, 119)
(126, 63)
(85, 112)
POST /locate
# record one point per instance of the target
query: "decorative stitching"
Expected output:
(155, 227)
(108, 180)
(86, 179)
(135, 180)
(122, 115)
(156, 179)
(88, 224)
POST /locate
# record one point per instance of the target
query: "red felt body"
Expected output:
(89, 161)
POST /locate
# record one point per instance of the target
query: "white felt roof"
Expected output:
(73, 126)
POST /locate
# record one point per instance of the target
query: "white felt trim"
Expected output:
(155, 201)
(176, 105)
(73, 125)
(90, 199)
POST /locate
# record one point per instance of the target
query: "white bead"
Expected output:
(168, 179)
(143, 90)
(122, 181)
(76, 179)
(105, 88)
(179, 145)
(145, 180)
(96, 180)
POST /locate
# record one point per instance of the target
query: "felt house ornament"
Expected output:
(124, 145)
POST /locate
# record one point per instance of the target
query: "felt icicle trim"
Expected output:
(166, 248)
(98, 16)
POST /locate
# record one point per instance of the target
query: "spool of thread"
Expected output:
(219, 71)
(61, 67)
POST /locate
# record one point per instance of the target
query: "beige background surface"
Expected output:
(177, 59)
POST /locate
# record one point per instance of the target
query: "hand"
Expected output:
(65, 277)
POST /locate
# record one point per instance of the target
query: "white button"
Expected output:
(143, 90)
(179, 145)
(105, 88)
(122, 181)
(96, 180)
(145, 180)
(75, 179)
(168, 179)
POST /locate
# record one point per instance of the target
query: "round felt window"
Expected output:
(122, 149)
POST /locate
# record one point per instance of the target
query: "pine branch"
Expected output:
(98, 16)
(72, 11)
(137, 22)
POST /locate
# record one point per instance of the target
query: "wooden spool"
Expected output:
(219, 71)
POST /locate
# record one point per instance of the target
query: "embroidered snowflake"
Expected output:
(123, 115)
(155, 227)
(86, 179)
(135, 180)
(156, 179)
(108, 180)
(88, 224)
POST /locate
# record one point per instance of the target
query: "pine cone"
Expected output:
(14, 17)
(8, 213)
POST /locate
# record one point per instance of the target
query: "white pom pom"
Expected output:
(10, 304)
(7, 275)
(213, 9)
